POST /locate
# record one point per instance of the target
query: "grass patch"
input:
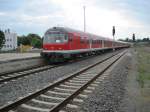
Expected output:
(142, 77)
(143, 55)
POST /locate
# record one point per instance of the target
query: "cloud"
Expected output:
(100, 16)
(36, 16)
(2, 13)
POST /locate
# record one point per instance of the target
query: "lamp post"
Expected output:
(84, 19)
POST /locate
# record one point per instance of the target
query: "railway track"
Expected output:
(57, 96)
(8, 76)
(17, 74)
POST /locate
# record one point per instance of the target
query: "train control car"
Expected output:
(62, 43)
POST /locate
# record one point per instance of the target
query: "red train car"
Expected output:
(63, 43)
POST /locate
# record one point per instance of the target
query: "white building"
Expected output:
(10, 40)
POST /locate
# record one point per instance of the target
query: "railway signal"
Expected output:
(113, 33)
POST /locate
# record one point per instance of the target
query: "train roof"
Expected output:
(81, 33)
(76, 32)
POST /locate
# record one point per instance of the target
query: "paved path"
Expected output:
(15, 56)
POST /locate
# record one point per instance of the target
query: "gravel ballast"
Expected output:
(14, 89)
(108, 95)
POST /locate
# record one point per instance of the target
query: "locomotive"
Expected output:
(60, 44)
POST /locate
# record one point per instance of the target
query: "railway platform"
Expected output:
(10, 62)
(6, 57)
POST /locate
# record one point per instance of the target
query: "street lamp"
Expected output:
(84, 19)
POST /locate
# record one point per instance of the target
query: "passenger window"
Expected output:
(82, 41)
(70, 39)
(92, 41)
(87, 41)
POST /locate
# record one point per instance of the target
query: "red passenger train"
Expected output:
(61, 43)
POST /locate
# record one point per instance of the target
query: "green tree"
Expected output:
(35, 40)
(31, 39)
(38, 44)
(127, 39)
(23, 40)
(2, 39)
(145, 39)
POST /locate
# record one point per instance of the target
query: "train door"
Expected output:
(102, 43)
(78, 42)
(90, 42)
(70, 41)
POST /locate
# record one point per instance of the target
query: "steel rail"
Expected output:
(25, 73)
(77, 92)
(14, 71)
(18, 102)
(21, 74)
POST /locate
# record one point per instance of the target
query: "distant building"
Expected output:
(10, 40)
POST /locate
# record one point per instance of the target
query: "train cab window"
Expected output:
(65, 38)
(55, 38)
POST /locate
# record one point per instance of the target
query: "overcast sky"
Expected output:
(36, 16)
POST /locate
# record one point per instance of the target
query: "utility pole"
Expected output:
(84, 19)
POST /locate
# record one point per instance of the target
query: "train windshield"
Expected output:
(55, 38)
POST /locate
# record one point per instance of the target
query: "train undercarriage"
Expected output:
(55, 57)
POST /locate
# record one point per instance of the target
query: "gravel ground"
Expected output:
(134, 100)
(14, 89)
(108, 96)
(128, 103)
